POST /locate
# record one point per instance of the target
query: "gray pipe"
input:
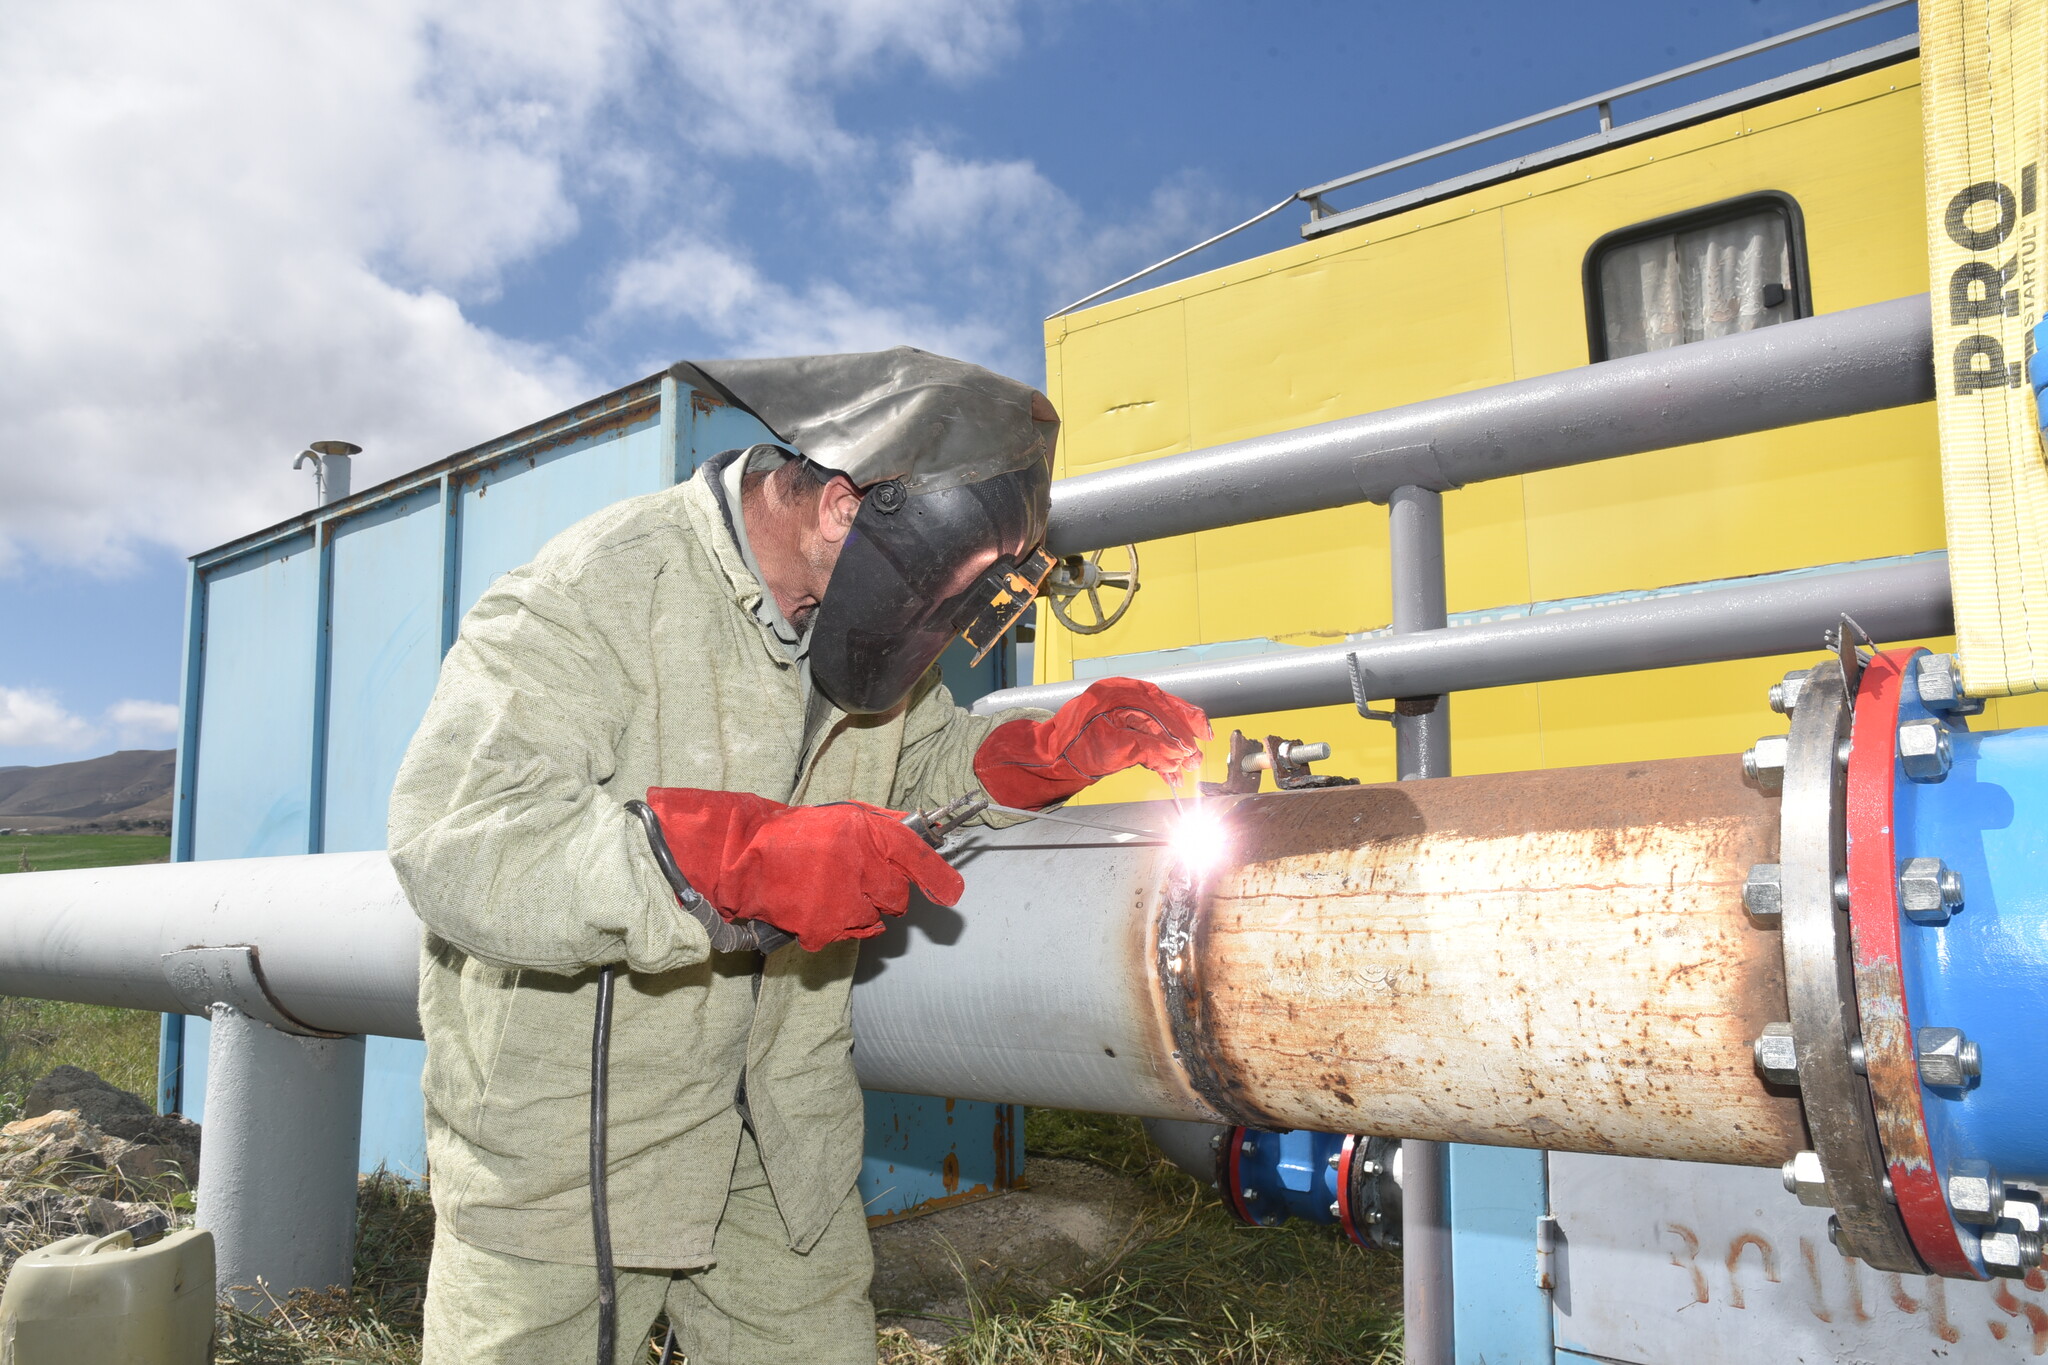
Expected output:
(1422, 749)
(1858, 360)
(1903, 600)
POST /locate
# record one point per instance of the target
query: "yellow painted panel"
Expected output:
(1855, 488)
(1356, 330)
(1307, 580)
(1486, 550)
(1125, 391)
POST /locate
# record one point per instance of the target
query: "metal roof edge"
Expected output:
(1700, 111)
(555, 429)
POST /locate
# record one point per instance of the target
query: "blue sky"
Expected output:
(419, 223)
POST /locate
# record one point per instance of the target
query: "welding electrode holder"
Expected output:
(727, 936)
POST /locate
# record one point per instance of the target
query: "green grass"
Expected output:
(58, 852)
(37, 1036)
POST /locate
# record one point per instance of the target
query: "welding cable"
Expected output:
(600, 1211)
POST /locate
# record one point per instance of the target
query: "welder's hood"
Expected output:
(923, 420)
(955, 468)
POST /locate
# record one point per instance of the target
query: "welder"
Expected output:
(748, 660)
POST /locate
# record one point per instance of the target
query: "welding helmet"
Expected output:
(954, 465)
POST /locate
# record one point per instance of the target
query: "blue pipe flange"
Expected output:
(1966, 850)
(1942, 833)
(1352, 1182)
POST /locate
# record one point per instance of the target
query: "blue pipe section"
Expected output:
(1289, 1174)
(1985, 971)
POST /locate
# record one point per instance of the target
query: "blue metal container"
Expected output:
(312, 648)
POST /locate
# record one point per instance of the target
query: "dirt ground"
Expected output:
(1072, 1222)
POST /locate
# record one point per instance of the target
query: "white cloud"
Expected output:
(32, 718)
(236, 227)
(725, 293)
(143, 722)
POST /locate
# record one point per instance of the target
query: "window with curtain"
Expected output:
(1691, 277)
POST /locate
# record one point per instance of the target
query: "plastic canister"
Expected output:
(108, 1301)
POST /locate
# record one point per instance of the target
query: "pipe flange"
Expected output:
(1368, 1193)
(1819, 975)
(1891, 1064)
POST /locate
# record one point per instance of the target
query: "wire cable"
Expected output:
(600, 1210)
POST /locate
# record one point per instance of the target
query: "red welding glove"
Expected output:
(823, 873)
(1117, 723)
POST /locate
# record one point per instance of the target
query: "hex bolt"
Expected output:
(1803, 1176)
(1372, 1215)
(1930, 891)
(1247, 1148)
(1250, 1195)
(1976, 1192)
(1334, 1210)
(1764, 762)
(1215, 1142)
(1940, 684)
(1834, 1231)
(1948, 1060)
(1369, 1168)
(1924, 750)
(1292, 751)
(1763, 895)
(1777, 1056)
(1336, 1159)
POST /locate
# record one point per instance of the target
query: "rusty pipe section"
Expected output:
(1550, 959)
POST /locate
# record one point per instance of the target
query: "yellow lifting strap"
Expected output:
(1984, 92)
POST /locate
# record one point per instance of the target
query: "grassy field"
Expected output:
(1195, 1287)
(56, 852)
(38, 1035)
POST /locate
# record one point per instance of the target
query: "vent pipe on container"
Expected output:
(330, 469)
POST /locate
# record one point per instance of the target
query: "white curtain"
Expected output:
(1693, 285)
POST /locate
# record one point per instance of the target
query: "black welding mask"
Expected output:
(954, 464)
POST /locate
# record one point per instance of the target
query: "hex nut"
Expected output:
(1777, 1055)
(1976, 1193)
(1948, 1060)
(1764, 763)
(1763, 894)
(1940, 684)
(2010, 1251)
(1924, 750)
(1930, 891)
(1803, 1177)
(1785, 695)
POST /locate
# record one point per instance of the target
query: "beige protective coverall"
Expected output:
(628, 656)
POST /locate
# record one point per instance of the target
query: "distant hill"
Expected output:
(129, 789)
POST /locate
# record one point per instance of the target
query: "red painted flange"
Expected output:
(1233, 1180)
(1349, 1153)
(1890, 1062)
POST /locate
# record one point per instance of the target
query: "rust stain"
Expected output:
(1005, 1177)
(1765, 1253)
(1937, 1311)
(1901, 1300)
(949, 1201)
(1852, 1271)
(949, 1172)
(1690, 1264)
(2013, 1306)
(1813, 1284)
(1366, 967)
